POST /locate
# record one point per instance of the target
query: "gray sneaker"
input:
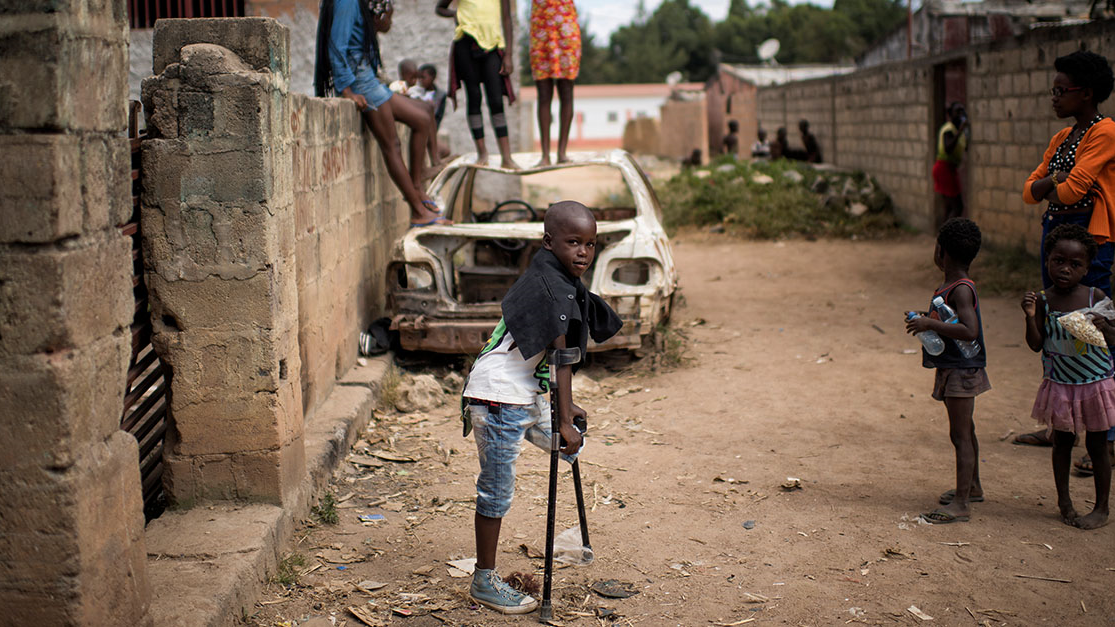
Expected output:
(490, 590)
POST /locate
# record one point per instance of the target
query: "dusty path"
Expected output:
(789, 377)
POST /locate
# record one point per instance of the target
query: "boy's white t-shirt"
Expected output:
(501, 375)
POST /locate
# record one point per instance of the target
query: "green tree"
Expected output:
(873, 18)
(677, 36)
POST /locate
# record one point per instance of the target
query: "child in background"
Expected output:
(761, 148)
(505, 396)
(1077, 392)
(408, 76)
(427, 77)
(731, 140)
(958, 379)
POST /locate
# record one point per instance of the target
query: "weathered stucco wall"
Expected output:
(683, 128)
(72, 550)
(348, 214)
(884, 122)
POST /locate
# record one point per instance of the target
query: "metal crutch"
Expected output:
(559, 357)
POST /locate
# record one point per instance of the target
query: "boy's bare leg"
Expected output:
(481, 151)
(1096, 442)
(487, 539)
(506, 162)
(545, 117)
(963, 435)
(565, 119)
(1062, 461)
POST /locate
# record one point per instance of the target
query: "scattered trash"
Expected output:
(856, 209)
(1006, 435)
(962, 543)
(749, 524)
(749, 597)
(524, 582)
(340, 556)
(462, 568)
(1053, 579)
(568, 548)
(365, 615)
(392, 457)
(910, 351)
(913, 609)
(532, 552)
(857, 612)
(422, 570)
(897, 553)
(369, 518)
(612, 589)
(728, 480)
(791, 484)
(365, 460)
(1039, 544)
(880, 330)
(370, 586)
(342, 568)
(402, 611)
(738, 622)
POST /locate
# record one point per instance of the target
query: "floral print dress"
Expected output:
(555, 40)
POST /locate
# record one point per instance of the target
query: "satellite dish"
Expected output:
(673, 78)
(768, 49)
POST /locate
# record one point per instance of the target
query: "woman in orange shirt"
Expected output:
(1077, 176)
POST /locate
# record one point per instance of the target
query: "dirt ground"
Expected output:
(798, 367)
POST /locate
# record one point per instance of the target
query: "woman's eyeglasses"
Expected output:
(1057, 92)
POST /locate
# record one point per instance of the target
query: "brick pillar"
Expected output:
(218, 232)
(72, 550)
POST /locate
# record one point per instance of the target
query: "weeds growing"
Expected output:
(290, 568)
(326, 511)
(1006, 271)
(389, 388)
(773, 199)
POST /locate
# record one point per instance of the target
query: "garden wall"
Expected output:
(884, 121)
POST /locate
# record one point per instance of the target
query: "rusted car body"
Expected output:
(445, 282)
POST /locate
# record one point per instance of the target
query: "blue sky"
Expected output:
(608, 15)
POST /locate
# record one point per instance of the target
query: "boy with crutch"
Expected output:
(547, 308)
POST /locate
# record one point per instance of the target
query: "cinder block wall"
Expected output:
(348, 214)
(72, 550)
(683, 127)
(883, 123)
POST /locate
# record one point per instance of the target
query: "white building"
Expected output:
(600, 112)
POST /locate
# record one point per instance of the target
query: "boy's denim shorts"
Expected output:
(499, 429)
(368, 85)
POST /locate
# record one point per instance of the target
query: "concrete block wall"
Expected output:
(348, 214)
(218, 231)
(683, 128)
(72, 550)
(785, 105)
(884, 124)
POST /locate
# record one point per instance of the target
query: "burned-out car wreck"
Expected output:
(445, 282)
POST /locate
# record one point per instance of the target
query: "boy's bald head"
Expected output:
(568, 214)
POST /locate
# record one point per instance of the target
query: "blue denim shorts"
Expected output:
(499, 429)
(368, 85)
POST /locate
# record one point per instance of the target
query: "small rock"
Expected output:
(702, 174)
(749, 524)
(793, 175)
(762, 179)
(420, 393)
(716, 228)
(727, 167)
(453, 383)
(856, 209)
(583, 385)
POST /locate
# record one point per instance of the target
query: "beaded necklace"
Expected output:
(1064, 160)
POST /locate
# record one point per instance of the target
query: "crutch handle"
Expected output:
(564, 356)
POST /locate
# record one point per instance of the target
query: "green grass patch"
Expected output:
(771, 200)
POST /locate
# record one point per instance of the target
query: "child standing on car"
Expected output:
(505, 396)
(1077, 393)
(959, 379)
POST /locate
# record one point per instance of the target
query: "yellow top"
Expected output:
(481, 19)
(958, 149)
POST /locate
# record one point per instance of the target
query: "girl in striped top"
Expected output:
(1077, 393)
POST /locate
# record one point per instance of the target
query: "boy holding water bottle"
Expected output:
(960, 375)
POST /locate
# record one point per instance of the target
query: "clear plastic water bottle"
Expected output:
(932, 342)
(968, 348)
